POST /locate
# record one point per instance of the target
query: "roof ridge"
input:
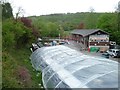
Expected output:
(85, 32)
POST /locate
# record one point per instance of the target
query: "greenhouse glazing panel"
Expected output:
(63, 67)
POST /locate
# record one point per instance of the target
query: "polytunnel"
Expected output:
(63, 67)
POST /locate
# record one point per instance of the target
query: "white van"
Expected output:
(113, 52)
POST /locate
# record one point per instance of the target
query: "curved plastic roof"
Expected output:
(63, 67)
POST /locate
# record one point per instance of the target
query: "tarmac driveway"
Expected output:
(79, 47)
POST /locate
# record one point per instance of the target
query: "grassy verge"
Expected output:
(17, 71)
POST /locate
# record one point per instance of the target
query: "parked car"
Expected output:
(34, 47)
(61, 43)
(114, 52)
(105, 54)
(118, 54)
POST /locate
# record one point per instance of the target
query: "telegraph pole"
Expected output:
(59, 32)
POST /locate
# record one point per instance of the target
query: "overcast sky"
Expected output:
(43, 7)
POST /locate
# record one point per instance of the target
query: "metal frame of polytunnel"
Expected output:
(63, 67)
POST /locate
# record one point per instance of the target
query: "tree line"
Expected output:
(16, 32)
(109, 22)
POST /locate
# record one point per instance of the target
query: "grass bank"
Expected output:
(17, 71)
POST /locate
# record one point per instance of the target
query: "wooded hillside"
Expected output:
(87, 20)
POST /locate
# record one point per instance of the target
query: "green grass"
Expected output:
(14, 63)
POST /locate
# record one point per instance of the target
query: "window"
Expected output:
(117, 51)
(110, 50)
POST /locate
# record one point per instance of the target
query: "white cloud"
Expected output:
(40, 7)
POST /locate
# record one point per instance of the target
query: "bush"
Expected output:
(16, 34)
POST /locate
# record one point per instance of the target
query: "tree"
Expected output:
(35, 32)
(91, 9)
(104, 22)
(109, 23)
(49, 29)
(16, 34)
(91, 19)
(81, 26)
(118, 7)
(8, 35)
(0, 14)
(118, 16)
(6, 11)
(27, 22)
(20, 11)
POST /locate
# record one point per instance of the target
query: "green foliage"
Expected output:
(12, 62)
(109, 23)
(52, 25)
(8, 34)
(91, 20)
(6, 11)
(8, 78)
(68, 21)
(48, 29)
(104, 22)
(52, 29)
(15, 34)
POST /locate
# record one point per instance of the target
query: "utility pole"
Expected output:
(59, 32)
(59, 37)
